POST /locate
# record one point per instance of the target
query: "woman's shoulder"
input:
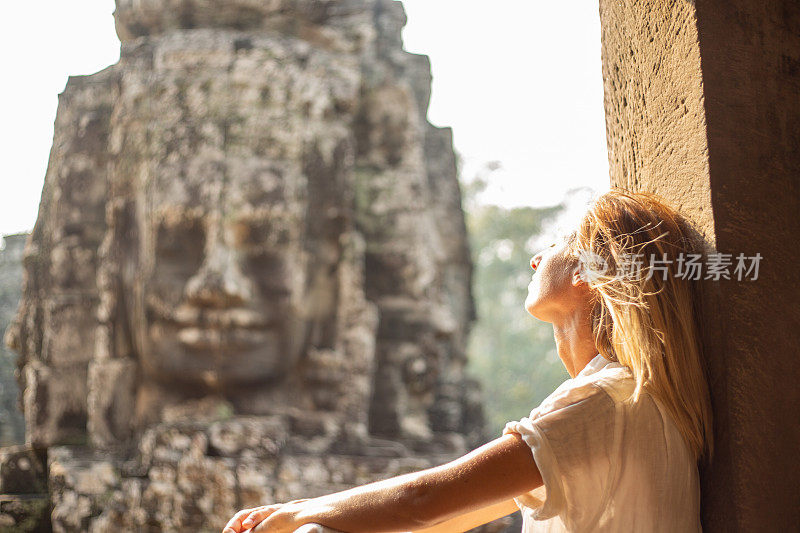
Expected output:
(615, 380)
(574, 391)
(601, 386)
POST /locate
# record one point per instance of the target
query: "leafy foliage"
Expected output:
(12, 426)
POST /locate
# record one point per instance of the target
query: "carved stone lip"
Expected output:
(216, 339)
(190, 316)
(238, 317)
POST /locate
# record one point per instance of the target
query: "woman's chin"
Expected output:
(533, 307)
(530, 306)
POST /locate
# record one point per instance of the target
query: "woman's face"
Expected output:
(555, 288)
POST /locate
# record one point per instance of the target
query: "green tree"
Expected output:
(12, 425)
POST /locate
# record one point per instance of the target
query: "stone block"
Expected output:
(248, 436)
(25, 514)
(22, 470)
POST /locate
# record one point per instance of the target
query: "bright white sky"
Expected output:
(518, 80)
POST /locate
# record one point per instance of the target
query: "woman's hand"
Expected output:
(241, 521)
(247, 520)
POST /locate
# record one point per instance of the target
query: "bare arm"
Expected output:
(488, 476)
(473, 519)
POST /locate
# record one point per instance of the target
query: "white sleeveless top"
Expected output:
(607, 466)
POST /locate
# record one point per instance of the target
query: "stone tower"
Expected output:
(249, 279)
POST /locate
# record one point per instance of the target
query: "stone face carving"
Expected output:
(250, 265)
(236, 207)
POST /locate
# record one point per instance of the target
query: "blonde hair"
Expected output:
(646, 319)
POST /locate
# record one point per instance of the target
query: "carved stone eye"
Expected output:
(261, 235)
(180, 244)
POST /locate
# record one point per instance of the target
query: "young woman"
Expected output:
(614, 448)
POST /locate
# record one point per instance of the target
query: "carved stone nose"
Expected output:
(219, 282)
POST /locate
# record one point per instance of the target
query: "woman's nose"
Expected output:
(535, 260)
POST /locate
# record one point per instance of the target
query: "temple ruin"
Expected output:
(249, 280)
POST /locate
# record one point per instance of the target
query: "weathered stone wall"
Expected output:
(655, 121)
(702, 108)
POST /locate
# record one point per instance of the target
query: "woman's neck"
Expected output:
(574, 341)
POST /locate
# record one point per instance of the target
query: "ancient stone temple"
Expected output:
(249, 280)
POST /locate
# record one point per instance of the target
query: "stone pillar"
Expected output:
(702, 108)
